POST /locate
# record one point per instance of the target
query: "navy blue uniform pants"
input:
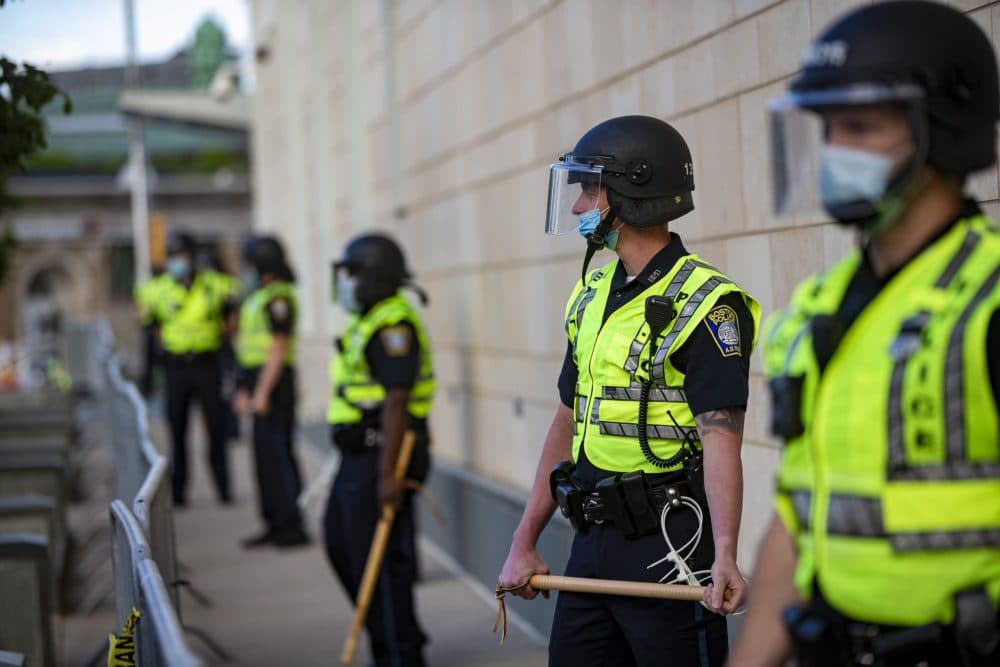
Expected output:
(349, 526)
(198, 378)
(278, 477)
(615, 631)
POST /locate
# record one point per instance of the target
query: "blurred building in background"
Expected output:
(436, 120)
(72, 221)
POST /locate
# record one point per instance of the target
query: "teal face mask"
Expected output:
(611, 239)
(251, 279)
(178, 267)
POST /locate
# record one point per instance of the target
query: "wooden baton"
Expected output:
(637, 589)
(376, 554)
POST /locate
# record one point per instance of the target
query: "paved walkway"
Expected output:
(273, 607)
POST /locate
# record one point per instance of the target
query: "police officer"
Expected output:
(145, 296)
(653, 391)
(885, 369)
(383, 385)
(189, 313)
(266, 354)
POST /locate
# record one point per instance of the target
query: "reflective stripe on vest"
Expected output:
(893, 489)
(612, 362)
(355, 391)
(254, 342)
(190, 319)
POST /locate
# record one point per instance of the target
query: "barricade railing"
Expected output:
(159, 636)
(85, 345)
(26, 614)
(153, 507)
(126, 431)
(142, 473)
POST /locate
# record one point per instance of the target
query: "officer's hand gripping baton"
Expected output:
(375, 555)
(638, 589)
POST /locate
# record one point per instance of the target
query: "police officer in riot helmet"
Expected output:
(189, 312)
(383, 385)
(266, 352)
(653, 390)
(885, 545)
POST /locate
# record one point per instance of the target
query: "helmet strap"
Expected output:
(419, 291)
(596, 240)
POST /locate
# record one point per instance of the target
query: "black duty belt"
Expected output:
(630, 501)
(823, 637)
(193, 357)
(595, 512)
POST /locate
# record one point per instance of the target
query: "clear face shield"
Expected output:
(343, 286)
(574, 189)
(848, 152)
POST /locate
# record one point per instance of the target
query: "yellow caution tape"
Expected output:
(121, 647)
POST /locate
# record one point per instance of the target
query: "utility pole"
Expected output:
(136, 156)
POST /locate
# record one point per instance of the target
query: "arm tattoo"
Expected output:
(728, 421)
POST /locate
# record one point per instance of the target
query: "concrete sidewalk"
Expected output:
(271, 607)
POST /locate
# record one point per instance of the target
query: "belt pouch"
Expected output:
(609, 489)
(644, 516)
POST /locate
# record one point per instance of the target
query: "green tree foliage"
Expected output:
(24, 91)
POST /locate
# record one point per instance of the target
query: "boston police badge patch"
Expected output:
(725, 328)
(396, 340)
(279, 310)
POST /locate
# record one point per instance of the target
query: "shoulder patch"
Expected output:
(396, 340)
(279, 310)
(724, 326)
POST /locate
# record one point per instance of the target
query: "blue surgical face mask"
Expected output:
(611, 239)
(251, 279)
(347, 288)
(849, 175)
(178, 267)
(590, 220)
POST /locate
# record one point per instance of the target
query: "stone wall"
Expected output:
(437, 119)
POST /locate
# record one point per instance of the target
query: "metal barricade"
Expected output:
(153, 507)
(85, 346)
(126, 425)
(138, 584)
(140, 467)
(26, 591)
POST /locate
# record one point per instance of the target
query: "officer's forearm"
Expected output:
(540, 504)
(764, 642)
(393, 420)
(271, 370)
(721, 433)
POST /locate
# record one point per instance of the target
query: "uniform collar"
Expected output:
(658, 266)
(970, 209)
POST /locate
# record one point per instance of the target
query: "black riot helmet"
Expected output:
(927, 44)
(378, 267)
(645, 165)
(267, 255)
(179, 242)
(208, 259)
(924, 59)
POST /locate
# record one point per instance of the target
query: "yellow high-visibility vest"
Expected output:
(890, 478)
(191, 319)
(355, 390)
(255, 337)
(611, 358)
